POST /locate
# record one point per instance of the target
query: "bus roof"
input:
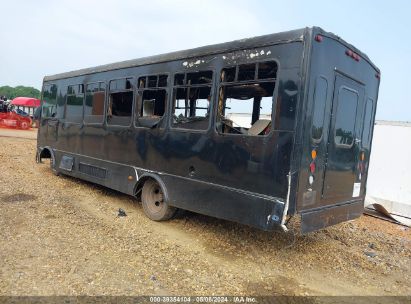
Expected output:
(258, 41)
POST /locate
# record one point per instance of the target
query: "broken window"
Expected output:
(267, 69)
(74, 103)
(151, 106)
(246, 71)
(151, 100)
(120, 104)
(246, 98)
(179, 79)
(49, 107)
(192, 95)
(94, 105)
(228, 74)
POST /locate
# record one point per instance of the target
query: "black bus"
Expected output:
(254, 131)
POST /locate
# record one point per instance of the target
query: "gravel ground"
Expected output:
(62, 236)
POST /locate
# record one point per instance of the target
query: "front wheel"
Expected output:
(154, 204)
(53, 166)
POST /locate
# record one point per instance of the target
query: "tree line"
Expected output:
(19, 91)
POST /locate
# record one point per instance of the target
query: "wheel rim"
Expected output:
(155, 198)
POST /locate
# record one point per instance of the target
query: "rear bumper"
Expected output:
(324, 217)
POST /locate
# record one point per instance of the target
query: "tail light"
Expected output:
(312, 167)
(318, 38)
(352, 54)
(361, 163)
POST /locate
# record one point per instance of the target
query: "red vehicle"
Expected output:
(9, 118)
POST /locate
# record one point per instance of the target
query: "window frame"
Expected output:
(104, 104)
(136, 116)
(65, 105)
(158, 79)
(174, 87)
(254, 81)
(106, 122)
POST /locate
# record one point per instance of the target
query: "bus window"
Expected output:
(345, 117)
(49, 108)
(320, 98)
(151, 105)
(74, 103)
(367, 123)
(179, 79)
(151, 100)
(162, 80)
(120, 104)
(246, 72)
(94, 104)
(246, 98)
(267, 70)
(228, 74)
(192, 95)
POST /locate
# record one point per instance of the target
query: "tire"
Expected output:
(154, 205)
(24, 125)
(53, 167)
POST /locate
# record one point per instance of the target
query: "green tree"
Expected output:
(19, 91)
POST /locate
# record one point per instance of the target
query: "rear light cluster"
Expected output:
(361, 165)
(312, 166)
(318, 38)
(353, 55)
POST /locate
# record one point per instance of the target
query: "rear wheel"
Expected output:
(154, 204)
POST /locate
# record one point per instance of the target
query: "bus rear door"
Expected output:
(341, 169)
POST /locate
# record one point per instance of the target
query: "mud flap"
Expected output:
(66, 163)
(324, 217)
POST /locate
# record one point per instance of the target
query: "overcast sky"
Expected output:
(41, 38)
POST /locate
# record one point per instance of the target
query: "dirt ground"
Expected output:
(62, 236)
(29, 134)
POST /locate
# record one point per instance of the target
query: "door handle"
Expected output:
(357, 140)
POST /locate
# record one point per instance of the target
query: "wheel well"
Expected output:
(139, 186)
(143, 179)
(45, 153)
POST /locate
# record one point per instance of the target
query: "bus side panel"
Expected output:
(189, 194)
(224, 203)
(257, 166)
